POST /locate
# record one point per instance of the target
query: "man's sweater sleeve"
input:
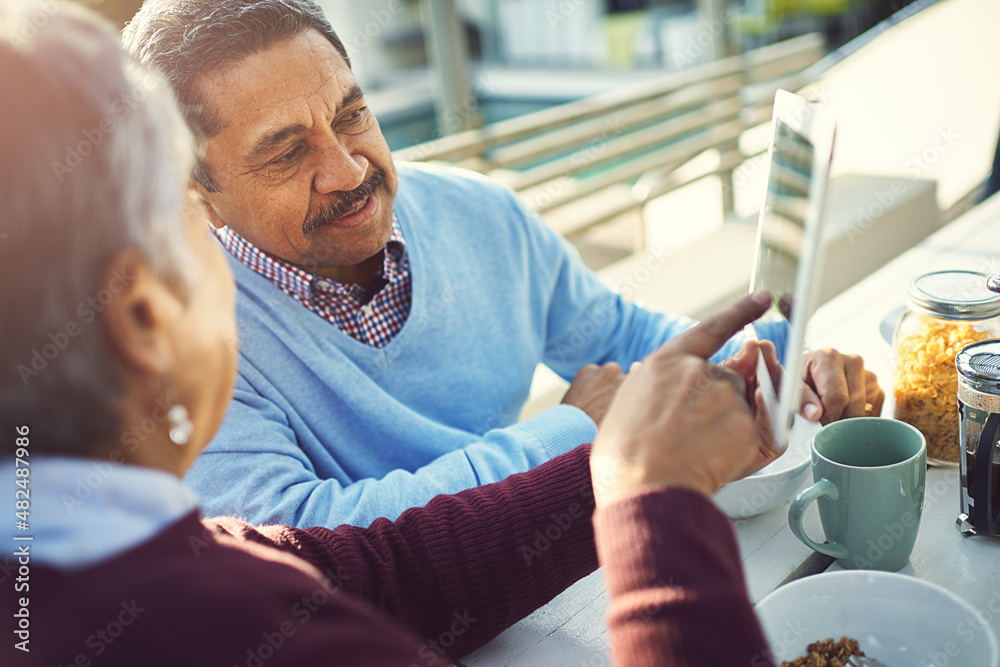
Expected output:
(464, 568)
(678, 594)
(255, 468)
(590, 323)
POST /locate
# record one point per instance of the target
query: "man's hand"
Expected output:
(744, 363)
(679, 420)
(839, 387)
(593, 389)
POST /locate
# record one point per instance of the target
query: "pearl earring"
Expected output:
(181, 426)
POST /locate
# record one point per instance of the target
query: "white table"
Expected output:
(969, 567)
(571, 629)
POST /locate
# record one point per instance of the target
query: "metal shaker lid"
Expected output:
(979, 363)
(954, 295)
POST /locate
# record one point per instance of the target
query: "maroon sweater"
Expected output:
(434, 585)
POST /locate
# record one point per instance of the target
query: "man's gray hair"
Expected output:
(94, 158)
(184, 39)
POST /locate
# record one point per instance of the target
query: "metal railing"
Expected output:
(589, 161)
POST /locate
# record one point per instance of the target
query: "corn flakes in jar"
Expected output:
(946, 311)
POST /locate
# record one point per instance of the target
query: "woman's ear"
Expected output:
(139, 312)
(205, 196)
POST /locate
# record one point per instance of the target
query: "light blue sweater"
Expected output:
(325, 430)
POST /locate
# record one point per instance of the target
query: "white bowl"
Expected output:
(771, 486)
(897, 619)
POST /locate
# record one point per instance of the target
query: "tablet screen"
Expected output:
(788, 262)
(783, 223)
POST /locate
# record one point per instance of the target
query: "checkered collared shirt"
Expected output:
(372, 315)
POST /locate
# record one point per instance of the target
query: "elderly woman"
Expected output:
(118, 343)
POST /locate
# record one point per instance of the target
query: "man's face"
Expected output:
(303, 170)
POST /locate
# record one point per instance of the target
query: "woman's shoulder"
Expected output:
(192, 592)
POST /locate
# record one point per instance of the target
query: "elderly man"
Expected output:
(127, 575)
(391, 316)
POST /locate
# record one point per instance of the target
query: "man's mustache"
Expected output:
(348, 202)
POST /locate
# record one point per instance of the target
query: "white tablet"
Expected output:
(789, 261)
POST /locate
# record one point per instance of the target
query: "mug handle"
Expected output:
(824, 488)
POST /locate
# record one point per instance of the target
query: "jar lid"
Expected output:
(954, 295)
(980, 361)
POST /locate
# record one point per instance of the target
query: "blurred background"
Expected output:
(638, 129)
(545, 52)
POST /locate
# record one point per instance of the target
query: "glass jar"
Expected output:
(946, 310)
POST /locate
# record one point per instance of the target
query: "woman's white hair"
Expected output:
(94, 158)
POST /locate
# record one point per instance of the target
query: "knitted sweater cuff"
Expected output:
(560, 429)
